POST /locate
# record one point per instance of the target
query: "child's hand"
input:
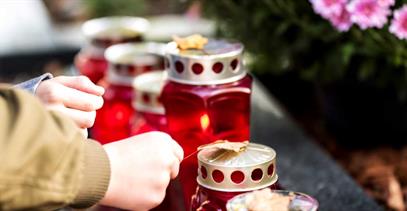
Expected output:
(75, 96)
(141, 169)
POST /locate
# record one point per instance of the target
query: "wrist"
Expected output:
(32, 84)
(96, 176)
(109, 195)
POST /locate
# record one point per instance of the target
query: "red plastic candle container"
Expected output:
(223, 174)
(149, 111)
(126, 62)
(206, 98)
(102, 33)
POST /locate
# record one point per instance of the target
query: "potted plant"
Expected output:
(353, 50)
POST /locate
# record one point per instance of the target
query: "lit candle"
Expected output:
(206, 98)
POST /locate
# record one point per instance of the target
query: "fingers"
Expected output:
(53, 92)
(79, 100)
(81, 83)
(82, 118)
(174, 169)
(176, 148)
(179, 155)
(178, 151)
(84, 132)
(170, 153)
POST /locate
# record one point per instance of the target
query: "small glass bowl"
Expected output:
(300, 202)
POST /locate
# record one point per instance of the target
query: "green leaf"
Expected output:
(347, 52)
(366, 70)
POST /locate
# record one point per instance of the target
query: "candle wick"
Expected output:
(188, 156)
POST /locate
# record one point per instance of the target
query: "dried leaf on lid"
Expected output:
(195, 41)
(226, 145)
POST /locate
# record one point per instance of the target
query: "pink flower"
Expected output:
(328, 8)
(399, 23)
(368, 13)
(386, 3)
(342, 21)
(335, 11)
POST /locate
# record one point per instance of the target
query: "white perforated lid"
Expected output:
(148, 87)
(225, 170)
(128, 61)
(220, 61)
(115, 28)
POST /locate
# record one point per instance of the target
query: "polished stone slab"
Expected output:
(301, 164)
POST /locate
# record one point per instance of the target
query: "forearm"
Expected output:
(46, 163)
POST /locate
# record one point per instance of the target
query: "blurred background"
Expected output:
(346, 87)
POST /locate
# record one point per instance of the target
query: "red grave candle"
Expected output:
(149, 116)
(149, 111)
(126, 62)
(102, 33)
(206, 98)
(224, 174)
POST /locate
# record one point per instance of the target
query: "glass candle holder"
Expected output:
(224, 174)
(149, 110)
(206, 98)
(126, 62)
(296, 201)
(102, 33)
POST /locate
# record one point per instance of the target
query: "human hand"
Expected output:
(75, 96)
(141, 168)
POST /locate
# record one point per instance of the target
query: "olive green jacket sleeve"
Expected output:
(45, 162)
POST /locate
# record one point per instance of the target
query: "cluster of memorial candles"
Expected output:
(198, 96)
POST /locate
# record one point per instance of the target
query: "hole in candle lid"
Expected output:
(147, 68)
(146, 98)
(102, 42)
(160, 99)
(234, 64)
(179, 67)
(197, 68)
(131, 69)
(204, 173)
(131, 39)
(167, 63)
(117, 67)
(270, 170)
(257, 174)
(217, 67)
(217, 176)
(237, 177)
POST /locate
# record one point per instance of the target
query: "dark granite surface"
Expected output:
(301, 164)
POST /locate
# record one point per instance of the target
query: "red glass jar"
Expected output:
(206, 98)
(149, 111)
(223, 174)
(102, 33)
(126, 62)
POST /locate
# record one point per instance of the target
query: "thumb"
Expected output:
(81, 83)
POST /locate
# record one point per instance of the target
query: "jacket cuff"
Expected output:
(96, 176)
(32, 84)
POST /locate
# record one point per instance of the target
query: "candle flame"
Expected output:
(204, 121)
